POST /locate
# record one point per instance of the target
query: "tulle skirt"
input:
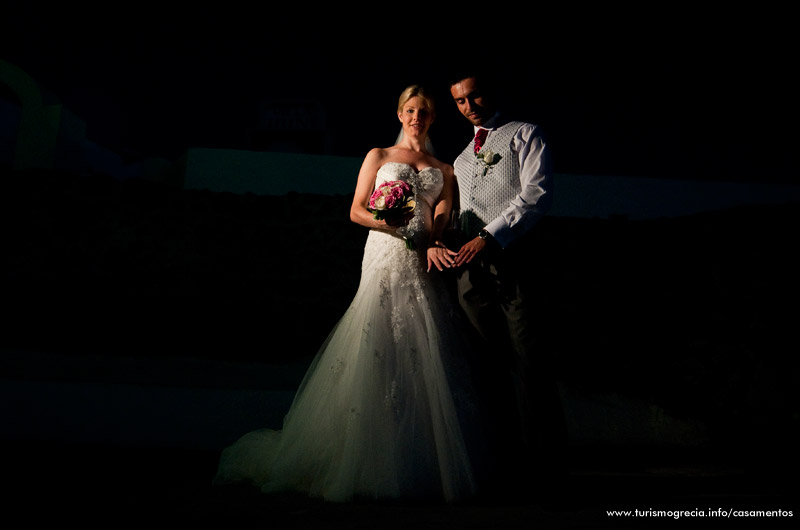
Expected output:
(386, 409)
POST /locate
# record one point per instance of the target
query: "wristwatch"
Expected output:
(483, 234)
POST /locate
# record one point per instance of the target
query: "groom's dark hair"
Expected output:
(485, 81)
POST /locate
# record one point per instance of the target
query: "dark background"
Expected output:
(693, 315)
(676, 92)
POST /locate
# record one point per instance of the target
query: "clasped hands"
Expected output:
(441, 257)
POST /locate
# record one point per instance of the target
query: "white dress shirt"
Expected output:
(535, 196)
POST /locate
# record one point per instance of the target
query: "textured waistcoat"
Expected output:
(483, 197)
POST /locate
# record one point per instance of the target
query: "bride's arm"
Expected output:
(444, 206)
(440, 256)
(364, 187)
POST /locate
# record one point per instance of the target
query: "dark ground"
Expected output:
(695, 315)
(115, 487)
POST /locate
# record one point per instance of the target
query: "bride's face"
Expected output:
(416, 117)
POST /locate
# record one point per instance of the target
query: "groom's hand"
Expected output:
(469, 251)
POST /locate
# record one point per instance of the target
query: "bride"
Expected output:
(386, 408)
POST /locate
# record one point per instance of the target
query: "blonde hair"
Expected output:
(416, 91)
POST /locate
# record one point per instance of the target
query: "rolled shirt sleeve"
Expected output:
(535, 196)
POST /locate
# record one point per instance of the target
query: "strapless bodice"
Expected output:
(427, 182)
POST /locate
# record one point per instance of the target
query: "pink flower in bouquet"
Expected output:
(393, 200)
(392, 196)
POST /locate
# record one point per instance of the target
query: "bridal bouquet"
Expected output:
(393, 200)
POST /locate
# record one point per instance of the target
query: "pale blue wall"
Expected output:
(267, 173)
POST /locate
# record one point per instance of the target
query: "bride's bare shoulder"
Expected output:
(375, 156)
(445, 168)
(381, 153)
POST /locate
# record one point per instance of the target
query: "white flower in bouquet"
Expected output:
(393, 200)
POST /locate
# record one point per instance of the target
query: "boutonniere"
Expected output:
(489, 158)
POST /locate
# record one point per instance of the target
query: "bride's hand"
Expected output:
(440, 256)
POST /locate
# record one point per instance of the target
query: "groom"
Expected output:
(505, 188)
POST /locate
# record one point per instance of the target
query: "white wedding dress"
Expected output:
(386, 408)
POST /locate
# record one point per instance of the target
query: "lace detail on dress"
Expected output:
(375, 415)
(337, 365)
(388, 249)
(392, 402)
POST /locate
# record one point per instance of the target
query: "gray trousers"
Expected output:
(498, 292)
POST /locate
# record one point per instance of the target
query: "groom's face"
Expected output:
(471, 102)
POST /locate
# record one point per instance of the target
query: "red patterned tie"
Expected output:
(480, 136)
